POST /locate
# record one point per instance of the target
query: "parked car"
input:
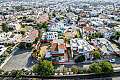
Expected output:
(112, 60)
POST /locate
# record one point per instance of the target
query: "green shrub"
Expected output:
(44, 68)
(75, 69)
(101, 67)
(95, 68)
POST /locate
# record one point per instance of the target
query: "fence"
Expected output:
(69, 77)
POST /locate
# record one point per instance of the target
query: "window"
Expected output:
(81, 50)
(51, 37)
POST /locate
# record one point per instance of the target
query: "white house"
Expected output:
(117, 28)
(81, 46)
(10, 37)
(4, 36)
(15, 38)
(105, 46)
(50, 35)
(2, 49)
(108, 34)
(59, 26)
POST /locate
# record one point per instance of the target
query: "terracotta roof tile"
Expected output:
(61, 46)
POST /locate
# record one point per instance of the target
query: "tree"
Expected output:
(45, 25)
(22, 32)
(95, 68)
(5, 27)
(16, 73)
(90, 37)
(1, 71)
(80, 58)
(13, 73)
(78, 18)
(79, 34)
(44, 68)
(19, 8)
(9, 49)
(11, 29)
(96, 35)
(96, 54)
(117, 35)
(22, 25)
(39, 26)
(106, 67)
(75, 69)
(53, 14)
(101, 67)
(42, 25)
(83, 70)
(6, 73)
(29, 45)
(22, 45)
(36, 40)
(64, 70)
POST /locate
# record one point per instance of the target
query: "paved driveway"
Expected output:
(21, 59)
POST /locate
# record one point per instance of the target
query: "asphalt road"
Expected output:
(20, 59)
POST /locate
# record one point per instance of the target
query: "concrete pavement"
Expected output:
(21, 59)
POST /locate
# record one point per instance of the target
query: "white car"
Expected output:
(112, 60)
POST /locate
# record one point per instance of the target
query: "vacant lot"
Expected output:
(21, 59)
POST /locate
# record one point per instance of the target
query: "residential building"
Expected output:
(15, 38)
(58, 51)
(80, 47)
(30, 36)
(2, 49)
(105, 46)
(4, 36)
(49, 36)
(60, 26)
(42, 18)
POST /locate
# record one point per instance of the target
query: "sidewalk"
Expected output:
(116, 69)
